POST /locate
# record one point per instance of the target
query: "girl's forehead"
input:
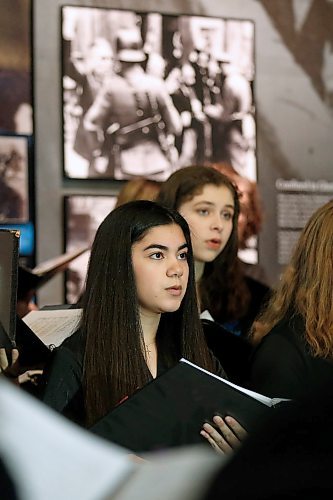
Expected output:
(166, 229)
(163, 234)
(211, 191)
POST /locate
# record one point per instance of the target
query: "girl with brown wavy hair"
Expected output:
(295, 331)
(208, 200)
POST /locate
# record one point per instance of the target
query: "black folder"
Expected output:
(33, 352)
(170, 410)
(9, 255)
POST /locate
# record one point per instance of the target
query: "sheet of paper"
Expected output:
(178, 474)
(206, 315)
(256, 395)
(53, 326)
(51, 458)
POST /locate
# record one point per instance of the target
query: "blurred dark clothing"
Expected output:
(289, 457)
(63, 379)
(233, 352)
(7, 490)
(282, 365)
(64, 373)
(259, 295)
(27, 282)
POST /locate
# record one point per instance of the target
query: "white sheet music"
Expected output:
(256, 395)
(50, 458)
(53, 326)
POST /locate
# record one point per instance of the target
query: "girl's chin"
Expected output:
(206, 257)
(170, 308)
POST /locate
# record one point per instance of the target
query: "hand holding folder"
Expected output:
(170, 410)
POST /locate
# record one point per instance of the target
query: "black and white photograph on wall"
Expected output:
(145, 94)
(14, 179)
(83, 214)
(15, 68)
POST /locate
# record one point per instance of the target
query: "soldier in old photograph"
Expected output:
(133, 118)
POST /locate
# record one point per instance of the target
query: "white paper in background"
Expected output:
(53, 326)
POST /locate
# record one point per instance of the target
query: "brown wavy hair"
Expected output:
(249, 200)
(222, 287)
(306, 286)
(138, 189)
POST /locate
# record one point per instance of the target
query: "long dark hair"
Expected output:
(217, 287)
(114, 363)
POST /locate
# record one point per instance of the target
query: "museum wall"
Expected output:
(294, 117)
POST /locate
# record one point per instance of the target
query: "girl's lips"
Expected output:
(175, 290)
(214, 244)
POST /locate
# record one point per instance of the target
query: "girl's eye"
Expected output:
(182, 256)
(227, 215)
(156, 256)
(203, 211)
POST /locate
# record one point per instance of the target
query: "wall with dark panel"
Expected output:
(294, 101)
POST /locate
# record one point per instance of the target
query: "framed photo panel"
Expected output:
(14, 179)
(145, 94)
(83, 214)
(16, 115)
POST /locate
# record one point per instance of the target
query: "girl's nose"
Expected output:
(217, 223)
(175, 269)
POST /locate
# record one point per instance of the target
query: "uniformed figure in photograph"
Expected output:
(145, 94)
(133, 119)
(89, 75)
(230, 113)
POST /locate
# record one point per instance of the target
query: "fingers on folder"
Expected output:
(225, 434)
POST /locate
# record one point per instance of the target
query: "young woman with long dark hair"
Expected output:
(140, 314)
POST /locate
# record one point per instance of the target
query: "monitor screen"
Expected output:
(9, 254)
(27, 237)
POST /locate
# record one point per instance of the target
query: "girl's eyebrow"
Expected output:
(203, 201)
(210, 203)
(163, 247)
